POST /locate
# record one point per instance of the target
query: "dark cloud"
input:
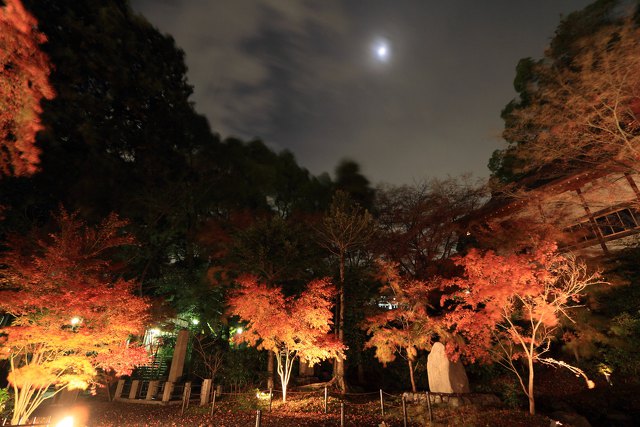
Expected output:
(300, 75)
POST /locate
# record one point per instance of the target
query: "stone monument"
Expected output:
(445, 376)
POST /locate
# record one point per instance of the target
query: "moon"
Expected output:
(381, 50)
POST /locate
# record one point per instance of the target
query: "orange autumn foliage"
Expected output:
(407, 328)
(47, 282)
(289, 327)
(586, 113)
(507, 308)
(24, 82)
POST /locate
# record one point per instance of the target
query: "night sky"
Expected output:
(306, 76)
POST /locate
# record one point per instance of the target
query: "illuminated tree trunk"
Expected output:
(532, 403)
(413, 381)
(284, 371)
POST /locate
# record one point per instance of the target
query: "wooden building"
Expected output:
(596, 211)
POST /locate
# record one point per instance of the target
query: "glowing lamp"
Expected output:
(263, 395)
(75, 321)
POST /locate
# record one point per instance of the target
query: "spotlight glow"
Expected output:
(65, 422)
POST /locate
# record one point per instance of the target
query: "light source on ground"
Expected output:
(239, 331)
(75, 321)
(195, 321)
(65, 422)
(263, 395)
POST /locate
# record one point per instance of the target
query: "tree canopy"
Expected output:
(24, 83)
(509, 307)
(290, 327)
(72, 312)
(579, 105)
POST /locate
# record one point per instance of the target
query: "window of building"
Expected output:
(610, 224)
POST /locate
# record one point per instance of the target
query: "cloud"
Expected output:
(246, 57)
(300, 75)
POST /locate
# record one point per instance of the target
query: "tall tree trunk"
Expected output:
(338, 372)
(336, 314)
(108, 387)
(361, 377)
(413, 381)
(270, 370)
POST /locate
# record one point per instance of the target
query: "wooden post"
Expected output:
(270, 398)
(179, 354)
(205, 392)
(429, 408)
(187, 392)
(325, 399)
(258, 417)
(186, 396)
(404, 411)
(152, 390)
(342, 414)
(119, 388)
(134, 389)
(213, 401)
(168, 390)
(381, 404)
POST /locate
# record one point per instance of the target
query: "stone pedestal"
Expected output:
(445, 376)
(179, 354)
(205, 391)
(133, 393)
(152, 390)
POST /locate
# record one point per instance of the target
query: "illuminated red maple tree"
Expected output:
(289, 327)
(508, 307)
(72, 314)
(405, 328)
(24, 73)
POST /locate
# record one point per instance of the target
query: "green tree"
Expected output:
(350, 180)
